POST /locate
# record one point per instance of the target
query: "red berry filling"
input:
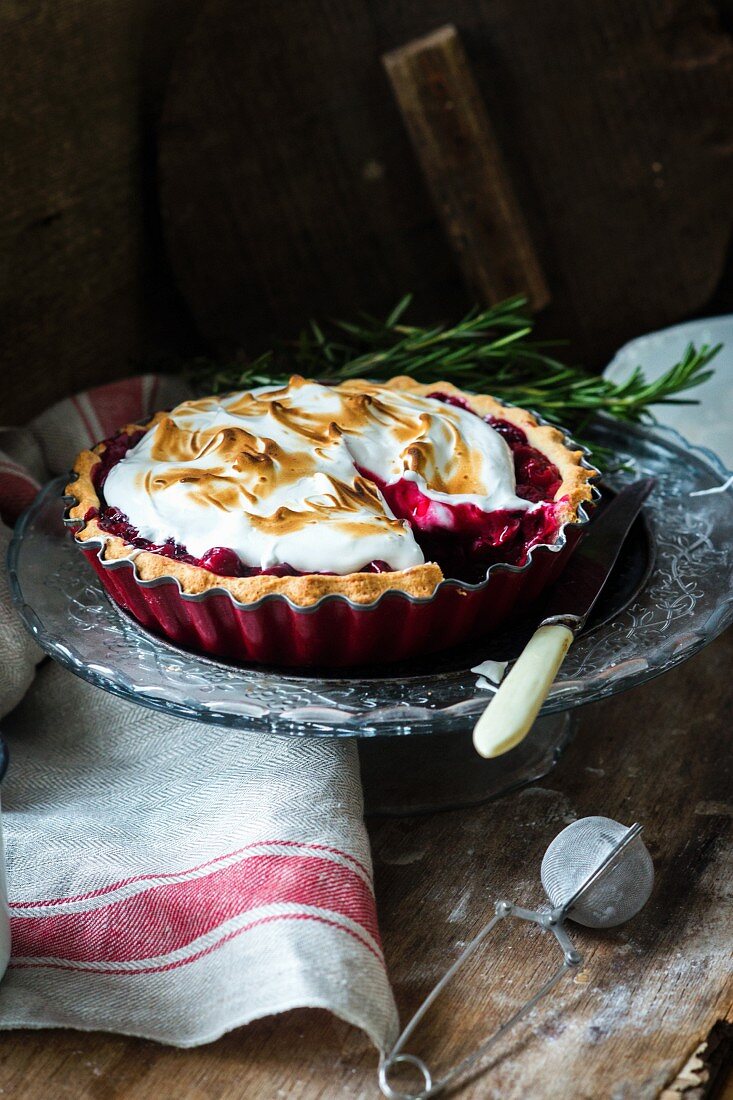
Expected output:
(462, 539)
(115, 449)
(537, 478)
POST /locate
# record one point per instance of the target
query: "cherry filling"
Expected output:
(461, 538)
(537, 478)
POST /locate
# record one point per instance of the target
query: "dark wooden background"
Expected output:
(289, 185)
(84, 289)
(283, 147)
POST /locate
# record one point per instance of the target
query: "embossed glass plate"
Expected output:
(686, 601)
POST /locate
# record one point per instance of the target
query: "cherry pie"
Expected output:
(358, 491)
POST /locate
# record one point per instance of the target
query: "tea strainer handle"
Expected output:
(551, 922)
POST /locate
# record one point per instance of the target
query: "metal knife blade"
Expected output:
(582, 581)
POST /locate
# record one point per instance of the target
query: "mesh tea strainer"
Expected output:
(595, 872)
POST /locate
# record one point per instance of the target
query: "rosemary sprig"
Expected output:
(491, 350)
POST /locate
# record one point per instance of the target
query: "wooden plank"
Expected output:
(706, 1070)
(625, 1027)
(84, 293)
(464, 169)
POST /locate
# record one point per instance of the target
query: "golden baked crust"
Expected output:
(360, 588)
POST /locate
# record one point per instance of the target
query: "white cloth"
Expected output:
(167, 878)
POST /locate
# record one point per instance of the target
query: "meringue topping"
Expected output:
(283, 474)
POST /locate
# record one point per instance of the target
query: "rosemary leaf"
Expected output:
(490, 350)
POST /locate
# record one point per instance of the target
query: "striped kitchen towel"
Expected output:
(166, 878)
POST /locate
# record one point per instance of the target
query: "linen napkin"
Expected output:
(167, 878)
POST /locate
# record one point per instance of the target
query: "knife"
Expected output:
(511, 713)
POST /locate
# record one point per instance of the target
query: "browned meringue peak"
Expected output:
(258, 462)
(363, 406)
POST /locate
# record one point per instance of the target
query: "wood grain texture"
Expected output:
(82, 288)
(706, 1070)
(623, 1029)
(290, 188)
(464, 169)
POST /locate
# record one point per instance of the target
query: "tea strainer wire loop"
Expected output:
(596, 872)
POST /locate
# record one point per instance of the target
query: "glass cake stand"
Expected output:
(671, 593)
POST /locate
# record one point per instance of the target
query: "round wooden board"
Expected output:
(289, 188)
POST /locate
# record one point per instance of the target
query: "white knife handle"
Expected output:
(511, 713)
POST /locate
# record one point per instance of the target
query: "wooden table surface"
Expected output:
(624, 1028)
